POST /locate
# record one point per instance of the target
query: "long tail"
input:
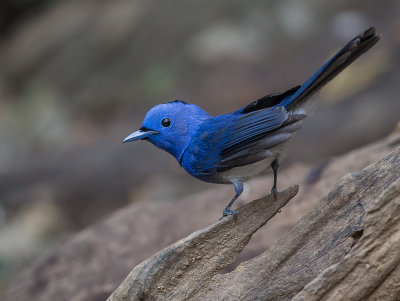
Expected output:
(333, 67)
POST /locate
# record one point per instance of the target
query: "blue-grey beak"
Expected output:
(139, 135)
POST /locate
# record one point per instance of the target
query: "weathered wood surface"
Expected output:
(182, 270)
(371, 270)
(190, 268)
(92, 264)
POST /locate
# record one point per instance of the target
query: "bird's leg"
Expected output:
(227, 211)
(275, 166)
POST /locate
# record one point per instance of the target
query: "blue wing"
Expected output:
(258, 149)
(251, 126)
(244, 137)
(219, 137)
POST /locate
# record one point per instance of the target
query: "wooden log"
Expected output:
(190, 268)
(371, 270)
(92, 264)
(183, 269)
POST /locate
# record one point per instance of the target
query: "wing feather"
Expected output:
(222, 135)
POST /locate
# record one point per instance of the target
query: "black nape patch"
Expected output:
(178, 101)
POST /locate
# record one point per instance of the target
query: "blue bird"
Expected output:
(234, 147)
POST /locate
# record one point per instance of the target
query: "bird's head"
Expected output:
(170, 126)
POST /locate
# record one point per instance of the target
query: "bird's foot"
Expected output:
(274, 191)
(227, 212)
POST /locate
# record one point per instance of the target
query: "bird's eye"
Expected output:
(166, 122)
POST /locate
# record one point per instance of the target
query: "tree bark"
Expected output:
(371, 270)
(345, 248)
(91, 264)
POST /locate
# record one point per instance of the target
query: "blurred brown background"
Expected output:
(76, 77)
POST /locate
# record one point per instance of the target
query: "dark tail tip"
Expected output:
(348, 54)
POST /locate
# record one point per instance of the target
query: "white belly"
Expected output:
(246, 172)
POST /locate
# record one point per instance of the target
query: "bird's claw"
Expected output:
(227, 212)
(274, 191)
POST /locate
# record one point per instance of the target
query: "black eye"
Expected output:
(166, 122)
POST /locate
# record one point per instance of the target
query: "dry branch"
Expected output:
(189, 269)
(92, 264)
(371, 271)
(176, 270)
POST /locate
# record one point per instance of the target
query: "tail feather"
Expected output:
(350, 52)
